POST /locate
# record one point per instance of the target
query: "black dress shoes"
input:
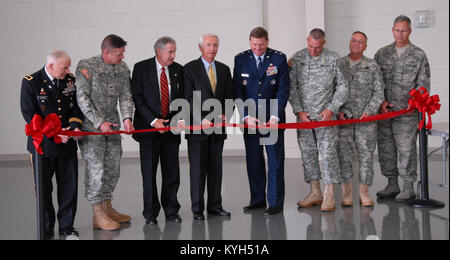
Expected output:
(199, 216)
(69, 233)
(273, 211)
(174, 218)
(151, 221)
(219, 212)
(254, 207)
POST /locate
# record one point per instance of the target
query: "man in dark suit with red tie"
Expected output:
(155, 84)
(207, 81)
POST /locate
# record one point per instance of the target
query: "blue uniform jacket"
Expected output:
(271, 83)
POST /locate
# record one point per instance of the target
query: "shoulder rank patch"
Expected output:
(291, 63)
(86, 73)
(28, 77)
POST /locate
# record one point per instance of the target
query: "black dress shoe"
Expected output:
(199, 216)
(65, 233)
(174, 218)
(273, 211)
(253, 207)
(151, 221)
(219, 212)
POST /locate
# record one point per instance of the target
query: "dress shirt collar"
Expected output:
(48, 74)
(159, 66)
(262, 57)
(206, 64)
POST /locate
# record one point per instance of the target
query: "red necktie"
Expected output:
(164, 94)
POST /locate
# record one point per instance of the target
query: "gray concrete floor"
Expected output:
(387, 220)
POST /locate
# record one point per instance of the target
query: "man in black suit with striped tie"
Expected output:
(155, 84)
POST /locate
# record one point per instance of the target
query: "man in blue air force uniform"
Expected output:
(261, 75)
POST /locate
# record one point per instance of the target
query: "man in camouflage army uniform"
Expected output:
(102, 82)
(404, 67)
(366, 92)
(318, 90)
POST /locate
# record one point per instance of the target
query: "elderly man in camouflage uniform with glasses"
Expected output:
(405, 67)
(366, 92)
(103, 82)
(318, 90)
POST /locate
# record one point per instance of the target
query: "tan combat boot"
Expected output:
(347, 194)
(328, 198)
(314, 197)
(102, 221)
(113, 214)
(365, 199)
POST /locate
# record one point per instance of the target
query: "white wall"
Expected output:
(375, 18)
(30, 29)
(288, 23)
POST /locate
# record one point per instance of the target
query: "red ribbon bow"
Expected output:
(49, 127)
(425, 104)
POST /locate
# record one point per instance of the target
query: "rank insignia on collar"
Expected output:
(28, 77)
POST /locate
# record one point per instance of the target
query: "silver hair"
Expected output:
(56, 55)
(209, 34)
(403, 18)
(162, 42)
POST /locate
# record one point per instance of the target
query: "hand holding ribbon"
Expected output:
(51, 126)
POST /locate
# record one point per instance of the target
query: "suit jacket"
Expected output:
(271, 83)
(147, 96)
(39, 96)
(196, 79)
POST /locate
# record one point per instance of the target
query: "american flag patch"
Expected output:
(86, 73)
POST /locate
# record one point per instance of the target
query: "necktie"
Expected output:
(164, 94)
(259, 67)
(55, 83)
(212, 78)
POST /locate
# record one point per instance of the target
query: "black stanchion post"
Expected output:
(424, 201)
(37, 167)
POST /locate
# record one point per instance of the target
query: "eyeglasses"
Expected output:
(357, 41)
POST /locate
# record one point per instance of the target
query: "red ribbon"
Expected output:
(422, 101)
(51, 126)
(37, 128)
(304, 125)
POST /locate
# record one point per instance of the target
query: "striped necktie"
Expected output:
(164, 94)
